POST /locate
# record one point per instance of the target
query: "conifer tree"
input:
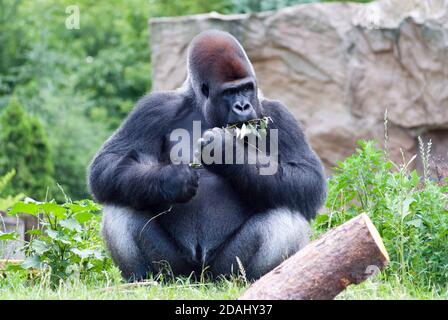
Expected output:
(24, 148)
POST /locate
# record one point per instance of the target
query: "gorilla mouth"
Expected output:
(237, 124)
(257, 123)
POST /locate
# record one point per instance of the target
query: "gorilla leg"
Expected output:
(139, 248)
(262, 243)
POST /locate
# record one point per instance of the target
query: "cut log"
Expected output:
(347, 254)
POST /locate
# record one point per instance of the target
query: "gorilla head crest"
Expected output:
(222, 78)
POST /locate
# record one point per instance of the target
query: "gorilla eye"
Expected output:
(204, 90)
(248, 87)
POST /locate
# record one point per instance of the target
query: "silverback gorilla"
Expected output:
(157, 212)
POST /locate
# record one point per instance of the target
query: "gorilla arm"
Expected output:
(299, 182)
(128, 170)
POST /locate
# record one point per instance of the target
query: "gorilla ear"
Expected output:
(204, 90)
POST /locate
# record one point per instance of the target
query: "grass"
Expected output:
(377, 288)
(410, 212)
(156, 292)
(14, 286)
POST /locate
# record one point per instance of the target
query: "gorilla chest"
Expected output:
(208, 219)
(181, 143)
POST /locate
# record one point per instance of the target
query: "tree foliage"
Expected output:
(6, 199)
(245, 6)
(81, 83)
(24, 148)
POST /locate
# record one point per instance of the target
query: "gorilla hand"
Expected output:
(181, 183)
(216, 149)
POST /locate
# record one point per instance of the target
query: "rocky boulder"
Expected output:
(337, 66)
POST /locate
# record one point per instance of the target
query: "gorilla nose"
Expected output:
(241, 112)
(242, 109)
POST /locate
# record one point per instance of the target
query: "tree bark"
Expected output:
(347, 254)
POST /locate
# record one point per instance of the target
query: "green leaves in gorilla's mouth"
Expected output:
(254, 126)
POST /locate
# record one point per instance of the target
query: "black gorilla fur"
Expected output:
(210, 216)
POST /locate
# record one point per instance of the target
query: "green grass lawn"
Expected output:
(15, 287)
(390, 290)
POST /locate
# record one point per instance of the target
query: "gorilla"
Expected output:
(160, 212)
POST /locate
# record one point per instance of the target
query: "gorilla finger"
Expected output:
(203, 142)
(208, 135)
(195, 179)
(190, 193)
(217, 131)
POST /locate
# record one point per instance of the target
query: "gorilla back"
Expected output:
(160, 212)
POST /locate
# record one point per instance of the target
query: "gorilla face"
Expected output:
(231, 102)
(223, 76)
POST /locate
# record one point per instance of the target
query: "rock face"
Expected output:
(337, 66)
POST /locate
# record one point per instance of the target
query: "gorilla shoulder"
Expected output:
(281, 117)
(157, 111)
(164, 103)
(275, 109)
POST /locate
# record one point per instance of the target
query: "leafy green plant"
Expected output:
(411, 213)
(68, 243)
(255, 127)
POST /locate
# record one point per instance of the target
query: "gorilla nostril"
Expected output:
(238, 108)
